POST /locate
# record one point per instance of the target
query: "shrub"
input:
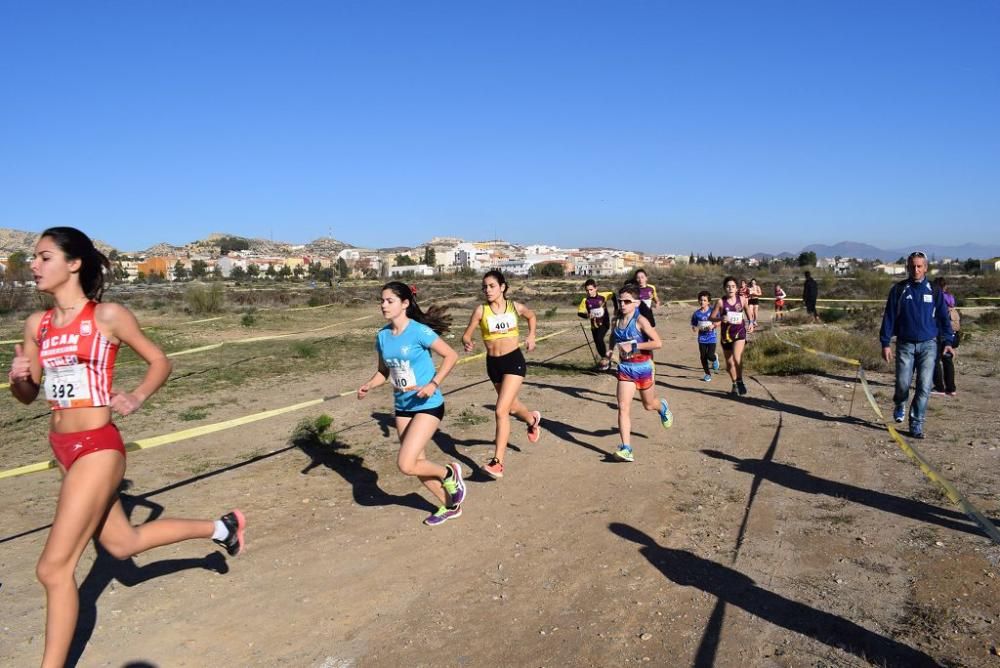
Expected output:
(304, 350)
(550, 313)
(201, 298)
(989, 319)
(315, 432)
(249, 318)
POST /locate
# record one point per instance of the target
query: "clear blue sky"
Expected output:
(664, 126)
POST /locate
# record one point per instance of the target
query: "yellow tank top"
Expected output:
(502, 326)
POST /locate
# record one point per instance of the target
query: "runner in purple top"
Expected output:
(731, 312)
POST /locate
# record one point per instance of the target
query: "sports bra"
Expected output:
(495, 326)
(77, 361)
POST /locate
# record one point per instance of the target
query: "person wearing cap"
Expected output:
(917, 315)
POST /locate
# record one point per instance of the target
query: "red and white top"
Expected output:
(77, 360)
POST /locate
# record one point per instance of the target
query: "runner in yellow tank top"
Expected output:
(505, 365)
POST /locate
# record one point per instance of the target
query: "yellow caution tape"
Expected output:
(929, 471)
(253, 339)
(154, 441)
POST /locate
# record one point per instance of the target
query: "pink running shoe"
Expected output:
(535, 429)
(494, 468)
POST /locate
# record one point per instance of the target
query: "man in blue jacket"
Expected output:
(917, 316)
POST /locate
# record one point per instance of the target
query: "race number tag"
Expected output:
(928, 298)
(501, 324)
(596, 313)
(705, 325)
(67, 385)
(402, 378)
(734, 317)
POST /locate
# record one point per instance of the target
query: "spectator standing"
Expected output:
(810, 293)
(916, 314)
(944, 368)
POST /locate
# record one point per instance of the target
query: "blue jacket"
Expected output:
(915, 312)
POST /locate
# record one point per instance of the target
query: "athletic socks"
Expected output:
(221, 531)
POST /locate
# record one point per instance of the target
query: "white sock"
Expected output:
(221, 532)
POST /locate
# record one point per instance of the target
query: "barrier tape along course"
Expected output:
(929, 471)
(155, 441)
(253, 339)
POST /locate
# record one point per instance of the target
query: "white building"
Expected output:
(410, 270)
(600, 265)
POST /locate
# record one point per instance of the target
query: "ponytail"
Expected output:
(436, 317)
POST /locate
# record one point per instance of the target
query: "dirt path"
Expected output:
(771, 531)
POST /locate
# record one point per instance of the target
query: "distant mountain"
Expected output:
(12, 241)
(936, 251)
(771, 256)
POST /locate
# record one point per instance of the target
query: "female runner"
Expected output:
(635, 339)
(505, 365)
(70, 350)
(404, 358)
(779, 301)
(753, 293)
(731, 312)
(647, 295)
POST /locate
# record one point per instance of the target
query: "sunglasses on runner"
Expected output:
(627, 301)
(919, 254)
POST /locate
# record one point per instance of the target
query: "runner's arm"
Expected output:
(529, 315)
(378, 379)
(477, 315)
(25, 373)
(122, 325)
(449, 357)
(654, 343)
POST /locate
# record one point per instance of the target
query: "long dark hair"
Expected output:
(436, 317)
(94, 265)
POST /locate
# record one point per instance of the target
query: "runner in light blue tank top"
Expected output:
(404, 359)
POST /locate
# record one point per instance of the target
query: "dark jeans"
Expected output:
(944, 371)
(708, 354)
(599, 334)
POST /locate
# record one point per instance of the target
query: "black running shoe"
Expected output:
(741, 387)
(233, 542)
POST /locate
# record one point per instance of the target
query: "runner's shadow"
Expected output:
(126, 572)
(350, 467)
(568, 432)
(792, 477)
(780, 406)
(735, 588)
(579, 393)
(447, 444)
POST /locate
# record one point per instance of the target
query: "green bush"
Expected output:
(304, 350)
(202, 299)
(769, 355)
(315, 432)
(550, 313)
(249, 318)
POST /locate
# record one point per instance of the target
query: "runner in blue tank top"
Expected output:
(634, 339)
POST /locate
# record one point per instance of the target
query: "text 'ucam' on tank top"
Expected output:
(77, 361)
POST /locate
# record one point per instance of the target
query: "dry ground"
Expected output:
(776, 530)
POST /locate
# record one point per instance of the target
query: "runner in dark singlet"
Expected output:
(731, 312)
